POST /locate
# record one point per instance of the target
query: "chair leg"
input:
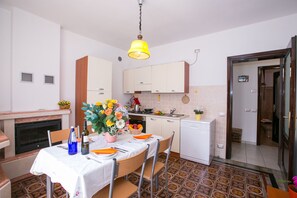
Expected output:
(152, 187)
(67, 195)
(157, 181)
(166, 182)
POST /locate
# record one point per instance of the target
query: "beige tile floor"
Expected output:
(264, 156)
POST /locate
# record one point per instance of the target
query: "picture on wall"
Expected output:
(243, 78)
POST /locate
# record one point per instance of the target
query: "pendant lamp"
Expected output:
(139, 48)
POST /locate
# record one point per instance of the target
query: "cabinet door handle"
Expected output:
(100, 89)
(170, 121)
(153, 119)
(100, 93)
(172, 90)
(157, 90)
(141, 82)
(127, 91)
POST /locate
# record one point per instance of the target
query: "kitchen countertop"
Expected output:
(158, 116)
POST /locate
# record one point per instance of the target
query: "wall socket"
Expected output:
(220, 146)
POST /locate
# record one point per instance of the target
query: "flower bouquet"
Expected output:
(109, 117)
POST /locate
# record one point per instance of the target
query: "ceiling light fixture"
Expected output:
(139, 48)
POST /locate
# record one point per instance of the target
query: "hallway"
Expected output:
(263, 155)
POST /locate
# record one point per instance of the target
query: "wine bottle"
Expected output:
(72, 142)
(85, 140)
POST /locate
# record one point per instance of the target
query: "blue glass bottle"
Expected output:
(72, 142)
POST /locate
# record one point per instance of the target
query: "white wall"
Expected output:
(35, 49)
(73, 47)
(245, 96)
(5, 60)
(211, 67)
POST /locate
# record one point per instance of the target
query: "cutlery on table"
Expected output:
(88, 158)
(63, 147)
(120, 149)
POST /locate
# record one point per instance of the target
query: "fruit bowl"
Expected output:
(135, 131)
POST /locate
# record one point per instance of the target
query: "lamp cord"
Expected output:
(140, 13)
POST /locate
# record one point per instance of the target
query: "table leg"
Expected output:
(49, 185)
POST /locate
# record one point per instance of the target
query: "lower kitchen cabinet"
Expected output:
(164, 127)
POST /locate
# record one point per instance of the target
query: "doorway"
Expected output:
(286, 146)
(269, 105)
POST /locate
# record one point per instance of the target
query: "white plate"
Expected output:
(104, 156)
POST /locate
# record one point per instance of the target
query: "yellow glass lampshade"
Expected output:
(139, 50)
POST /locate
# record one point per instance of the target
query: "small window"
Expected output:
(27, 77)
(48, 79)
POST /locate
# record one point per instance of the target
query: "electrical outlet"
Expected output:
(220, 146)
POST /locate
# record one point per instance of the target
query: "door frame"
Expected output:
(281, 53)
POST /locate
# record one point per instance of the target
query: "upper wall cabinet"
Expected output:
(170, 78)
(129, 81)
(93, 83)
(143, 78)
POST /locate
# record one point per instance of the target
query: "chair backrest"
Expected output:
(60, 135)
(124, 167)
(162, 146)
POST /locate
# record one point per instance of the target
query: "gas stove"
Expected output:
(140, 112)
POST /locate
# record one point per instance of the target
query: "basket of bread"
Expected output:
(135, 128)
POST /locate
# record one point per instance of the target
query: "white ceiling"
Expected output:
(115, 22)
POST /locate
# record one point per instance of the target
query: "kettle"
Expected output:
(136, 108)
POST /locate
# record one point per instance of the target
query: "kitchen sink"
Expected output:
(174, 115)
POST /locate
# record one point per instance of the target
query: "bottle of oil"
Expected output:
(85, 140)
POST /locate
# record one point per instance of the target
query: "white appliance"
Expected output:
(197, 140)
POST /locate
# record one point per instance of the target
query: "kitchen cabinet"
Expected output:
(170, 78)
(93, 83)
(128, 81)
(164, 127)
(143, 78)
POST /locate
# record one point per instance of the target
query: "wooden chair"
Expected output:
(60, 135)
(153, 166)
(119, 186)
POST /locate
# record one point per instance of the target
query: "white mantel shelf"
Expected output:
(31, 114)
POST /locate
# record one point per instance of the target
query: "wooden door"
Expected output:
(287, 123)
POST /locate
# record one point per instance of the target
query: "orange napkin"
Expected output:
(104, 151)
(142, 136)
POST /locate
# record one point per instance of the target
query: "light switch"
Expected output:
(253, 90)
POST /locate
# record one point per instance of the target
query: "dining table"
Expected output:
(84, 175)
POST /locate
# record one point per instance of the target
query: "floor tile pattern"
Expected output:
(186, 179)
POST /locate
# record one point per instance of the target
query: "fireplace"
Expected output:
(33, 135)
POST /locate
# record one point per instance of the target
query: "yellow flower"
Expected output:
(98, 103)
(102, 112)
(109, 123)
(110, 105)
(114, 101)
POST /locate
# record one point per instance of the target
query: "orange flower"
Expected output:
(118, 115)
(108, 111)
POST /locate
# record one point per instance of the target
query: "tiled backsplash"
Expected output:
(213, 100)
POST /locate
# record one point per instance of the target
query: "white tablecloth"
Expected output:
(81, 177)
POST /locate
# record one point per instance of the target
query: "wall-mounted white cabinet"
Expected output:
(128, 81)
(91, 84)
(143, 78)
(165, 127)
(170, 78)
